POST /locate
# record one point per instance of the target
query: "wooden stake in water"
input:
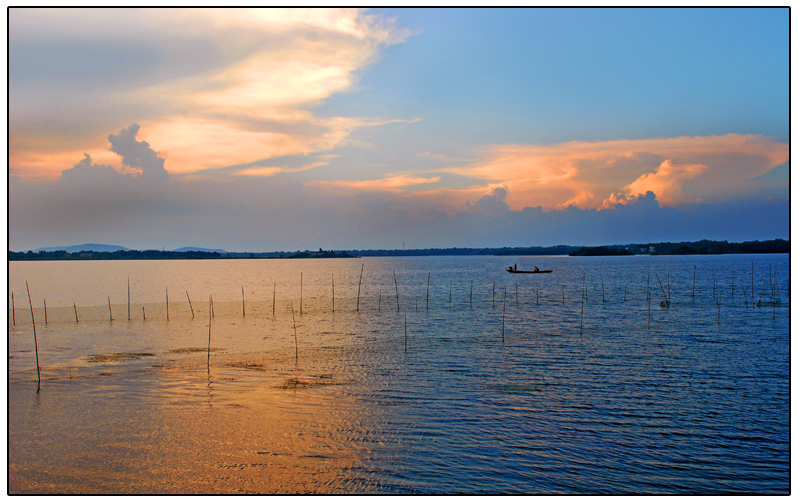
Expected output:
(517, 295)
(493, 287)
(396, 288)
(427, 301)
(450, 294)
(35, 342)
(128, 299)
(167, 303)
(13, 315)
(143, 315)
(648, 307)
(296, 346)
(208, 354)
(243, 314)
(212, 307)
(76, 312)
(603, 290)
(110, 316)
(562, 295)
(582, 306)
(300, 294)
(470, 293)
(274, 295)
(503, 314)
(333, 286)
(45, 311)
(358, 304)
(693, 285)
(192, 309)
(625, 293)
(379, 299)
(406, 331)
(536, 293)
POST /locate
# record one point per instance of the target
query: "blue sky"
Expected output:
(369, 128)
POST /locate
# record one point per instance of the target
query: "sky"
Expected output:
(290, 129)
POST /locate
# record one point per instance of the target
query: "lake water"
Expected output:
(485, 382)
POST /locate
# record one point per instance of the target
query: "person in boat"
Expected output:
(536, 268)
(514, 267)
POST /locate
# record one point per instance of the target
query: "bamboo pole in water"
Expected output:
(625, 293)
(536, 292)
(243, 314)
(128, 299)
(396, 288)
(35, 342)
(274, 295)
(167, 303)
(190, 307)
(603, 289)
(648, 306)
(517, 294)
(296, 346)
(212, 307)
(406, 331)
(562, 295)
(110, 316)
(358, 304)
(143, 315)
(333, 286)
(76, 312)
(493, 287)
(208, 354)
(13, 314)
(427, 299)
(665, 298)
(450, 295)
(503, 314)
(582, 305)
(693, 285)
(300, 294)
(45, 311)
(379, 299)
(471, 282)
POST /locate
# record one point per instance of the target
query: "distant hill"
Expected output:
(195, 249)
(85, 247)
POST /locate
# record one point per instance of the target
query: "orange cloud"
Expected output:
(679, 170)
(390, 184)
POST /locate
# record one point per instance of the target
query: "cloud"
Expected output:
(680, 171)
(215, 87)
(137, 154)
(491, 204)
(389, 184)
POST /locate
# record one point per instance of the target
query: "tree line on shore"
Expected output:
(703, 247)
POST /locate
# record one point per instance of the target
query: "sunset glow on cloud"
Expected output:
(402, 121)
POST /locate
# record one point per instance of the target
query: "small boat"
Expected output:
(537, 271)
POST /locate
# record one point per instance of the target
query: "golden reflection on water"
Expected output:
(152, 418)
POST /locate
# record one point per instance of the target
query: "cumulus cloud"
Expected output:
(147, 165)
(137, 154)
(491, 204)
(680, 171)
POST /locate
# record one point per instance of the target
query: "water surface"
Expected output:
(485, 382)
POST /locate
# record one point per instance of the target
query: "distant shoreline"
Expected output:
(704, 247)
